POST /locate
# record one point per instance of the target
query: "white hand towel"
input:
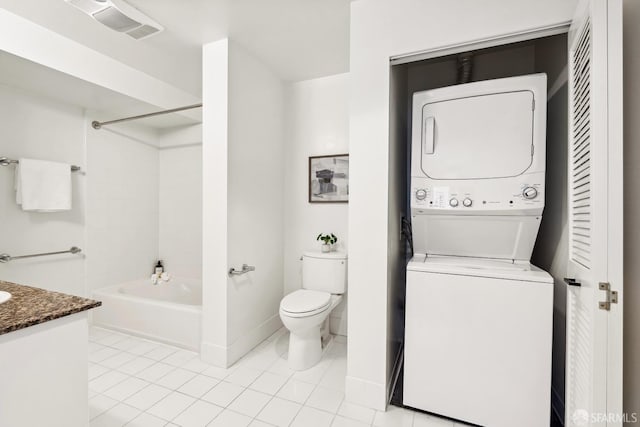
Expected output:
(43, 186)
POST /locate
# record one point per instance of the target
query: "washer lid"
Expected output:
(304, 301)
(479, 267)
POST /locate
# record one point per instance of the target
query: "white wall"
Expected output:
(35, 127)
(632, 207)
(380, 30)
(317, 123)
(122, 207)
(180, 210)
(243, 158)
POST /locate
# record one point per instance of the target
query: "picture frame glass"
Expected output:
(329, 179)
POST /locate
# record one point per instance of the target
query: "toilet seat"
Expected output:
(304, 302)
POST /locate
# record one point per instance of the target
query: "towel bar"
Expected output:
(6, 257)
(4, 161)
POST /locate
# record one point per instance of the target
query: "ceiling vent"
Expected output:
(119, 16)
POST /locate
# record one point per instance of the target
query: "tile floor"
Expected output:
(141, 383)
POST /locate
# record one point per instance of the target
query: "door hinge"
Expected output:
(611, 296)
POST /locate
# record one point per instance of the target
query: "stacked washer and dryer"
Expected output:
(478, 327)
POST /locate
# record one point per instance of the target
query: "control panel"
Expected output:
(525, 193)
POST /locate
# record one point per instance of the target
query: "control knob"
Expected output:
(421, 194)
(467, 202)
(529, 193)
(453, 202)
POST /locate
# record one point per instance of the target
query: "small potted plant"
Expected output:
(328, 241)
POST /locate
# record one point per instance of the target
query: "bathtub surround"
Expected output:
(180, 210)
(317, 124)
(243, 186)
(122, 203)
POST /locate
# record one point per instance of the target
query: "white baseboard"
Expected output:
(366, 393)
(225, 356)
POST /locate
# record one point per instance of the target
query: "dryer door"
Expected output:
(477, 137)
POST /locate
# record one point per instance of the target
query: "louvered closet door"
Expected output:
(595, 214)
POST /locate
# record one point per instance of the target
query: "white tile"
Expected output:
(96, 370)
(243, 376)
(147, 397)
(223, 394)
(198, 385)
(170, 406)
(197, 415)
(249, 402)
(219, 373)
(107, 380)
(326, 399)
(340, 421)
(179, 358)
(142, 347)
(258, 423)
(335, 376)
(111, 339)
(160, 352)
(281, 367)
(175, 379)
(155, 372)
(196, 365)
(146, 420)
(96, 333)
(261, 359)
(314, 374)
(93, 347)
(357, 412)
(100, 404)
(277, 334)
(424, 420)
(268, 383)
(311, 417)
(126, 388)
(230, 419)
(92, 393)
(117, 360)
(127, 343)
(279, 412)
(119, 415)
(102, 354)
(340, 338)
(136, 365)
(296, 391)
(394, 417)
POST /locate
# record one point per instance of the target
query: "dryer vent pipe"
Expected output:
(465, 68)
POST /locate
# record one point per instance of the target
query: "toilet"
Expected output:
(305, 313)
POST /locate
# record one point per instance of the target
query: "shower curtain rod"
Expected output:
(97, 125)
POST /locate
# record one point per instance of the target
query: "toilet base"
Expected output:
(305, 349)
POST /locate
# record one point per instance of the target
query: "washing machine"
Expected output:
(478, 340)
(478, 325)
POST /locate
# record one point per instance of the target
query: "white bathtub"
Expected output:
(169, 312)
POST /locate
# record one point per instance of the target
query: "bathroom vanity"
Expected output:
(43, 358)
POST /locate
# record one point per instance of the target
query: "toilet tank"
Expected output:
(325, 272)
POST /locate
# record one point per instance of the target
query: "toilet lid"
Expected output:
(304, 301)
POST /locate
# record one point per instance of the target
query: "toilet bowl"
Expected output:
(303, 313)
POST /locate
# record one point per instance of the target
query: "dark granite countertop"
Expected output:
(30, 306)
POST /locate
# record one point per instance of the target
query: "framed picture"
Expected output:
(329, 179)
